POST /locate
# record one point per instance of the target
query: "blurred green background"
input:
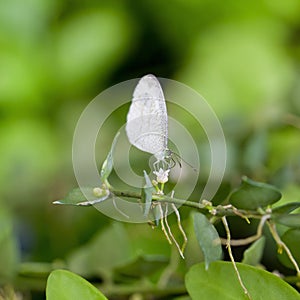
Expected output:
(56, 56)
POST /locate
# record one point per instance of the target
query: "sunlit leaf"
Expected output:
(290, 220)
(208, 239)
(107, 165)
(220, 282)
(291, 238)
(252, 195)
(253, 254)
(65, 285)
(192, 253)
(285, 209)
(84, 197)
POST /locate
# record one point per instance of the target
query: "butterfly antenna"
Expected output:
(174, 163)
(179, 159)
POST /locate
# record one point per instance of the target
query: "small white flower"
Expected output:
(162, 175)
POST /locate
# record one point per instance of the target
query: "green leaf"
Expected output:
(147, 191)
(107, 165)
(100, 255)
(253, 254)
(150, 255)
(220, 282)
(208, 239)
(84, 197)
(290, 220)
(192, 253)
(65, 285)
(291, 238)
(285, 209)
(252, 195)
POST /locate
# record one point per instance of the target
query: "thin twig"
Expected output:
(170, 232)
(185, 240)
(281, 245)
(224, 220)
(250, 239)
(240, 214)
(162, 223)
(219, 210)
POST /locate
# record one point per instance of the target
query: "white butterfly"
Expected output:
(147, 121)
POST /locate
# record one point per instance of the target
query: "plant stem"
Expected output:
(232, 258)
(170, 232)
(180, 228)
(250, 239)
(281, 245)
(219, 210)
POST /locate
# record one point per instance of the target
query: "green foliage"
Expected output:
(98, 259)
(80, 50)
(193, 252)
(292, 220)
(252, 195)
(107, 165)
(220, 282)
(65, 285)
(142, 264)
(286, 208)
(79, 197)
(284, 145)
(291, 238)
(281, 214)
(28, 151)
(208, 239)
(56, 56)
(133, 256)
(94, 195)
(147, 192)
(253, 255)
(100, 256)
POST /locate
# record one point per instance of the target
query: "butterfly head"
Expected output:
(164, 160)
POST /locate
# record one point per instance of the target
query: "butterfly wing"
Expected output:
(147, 119)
